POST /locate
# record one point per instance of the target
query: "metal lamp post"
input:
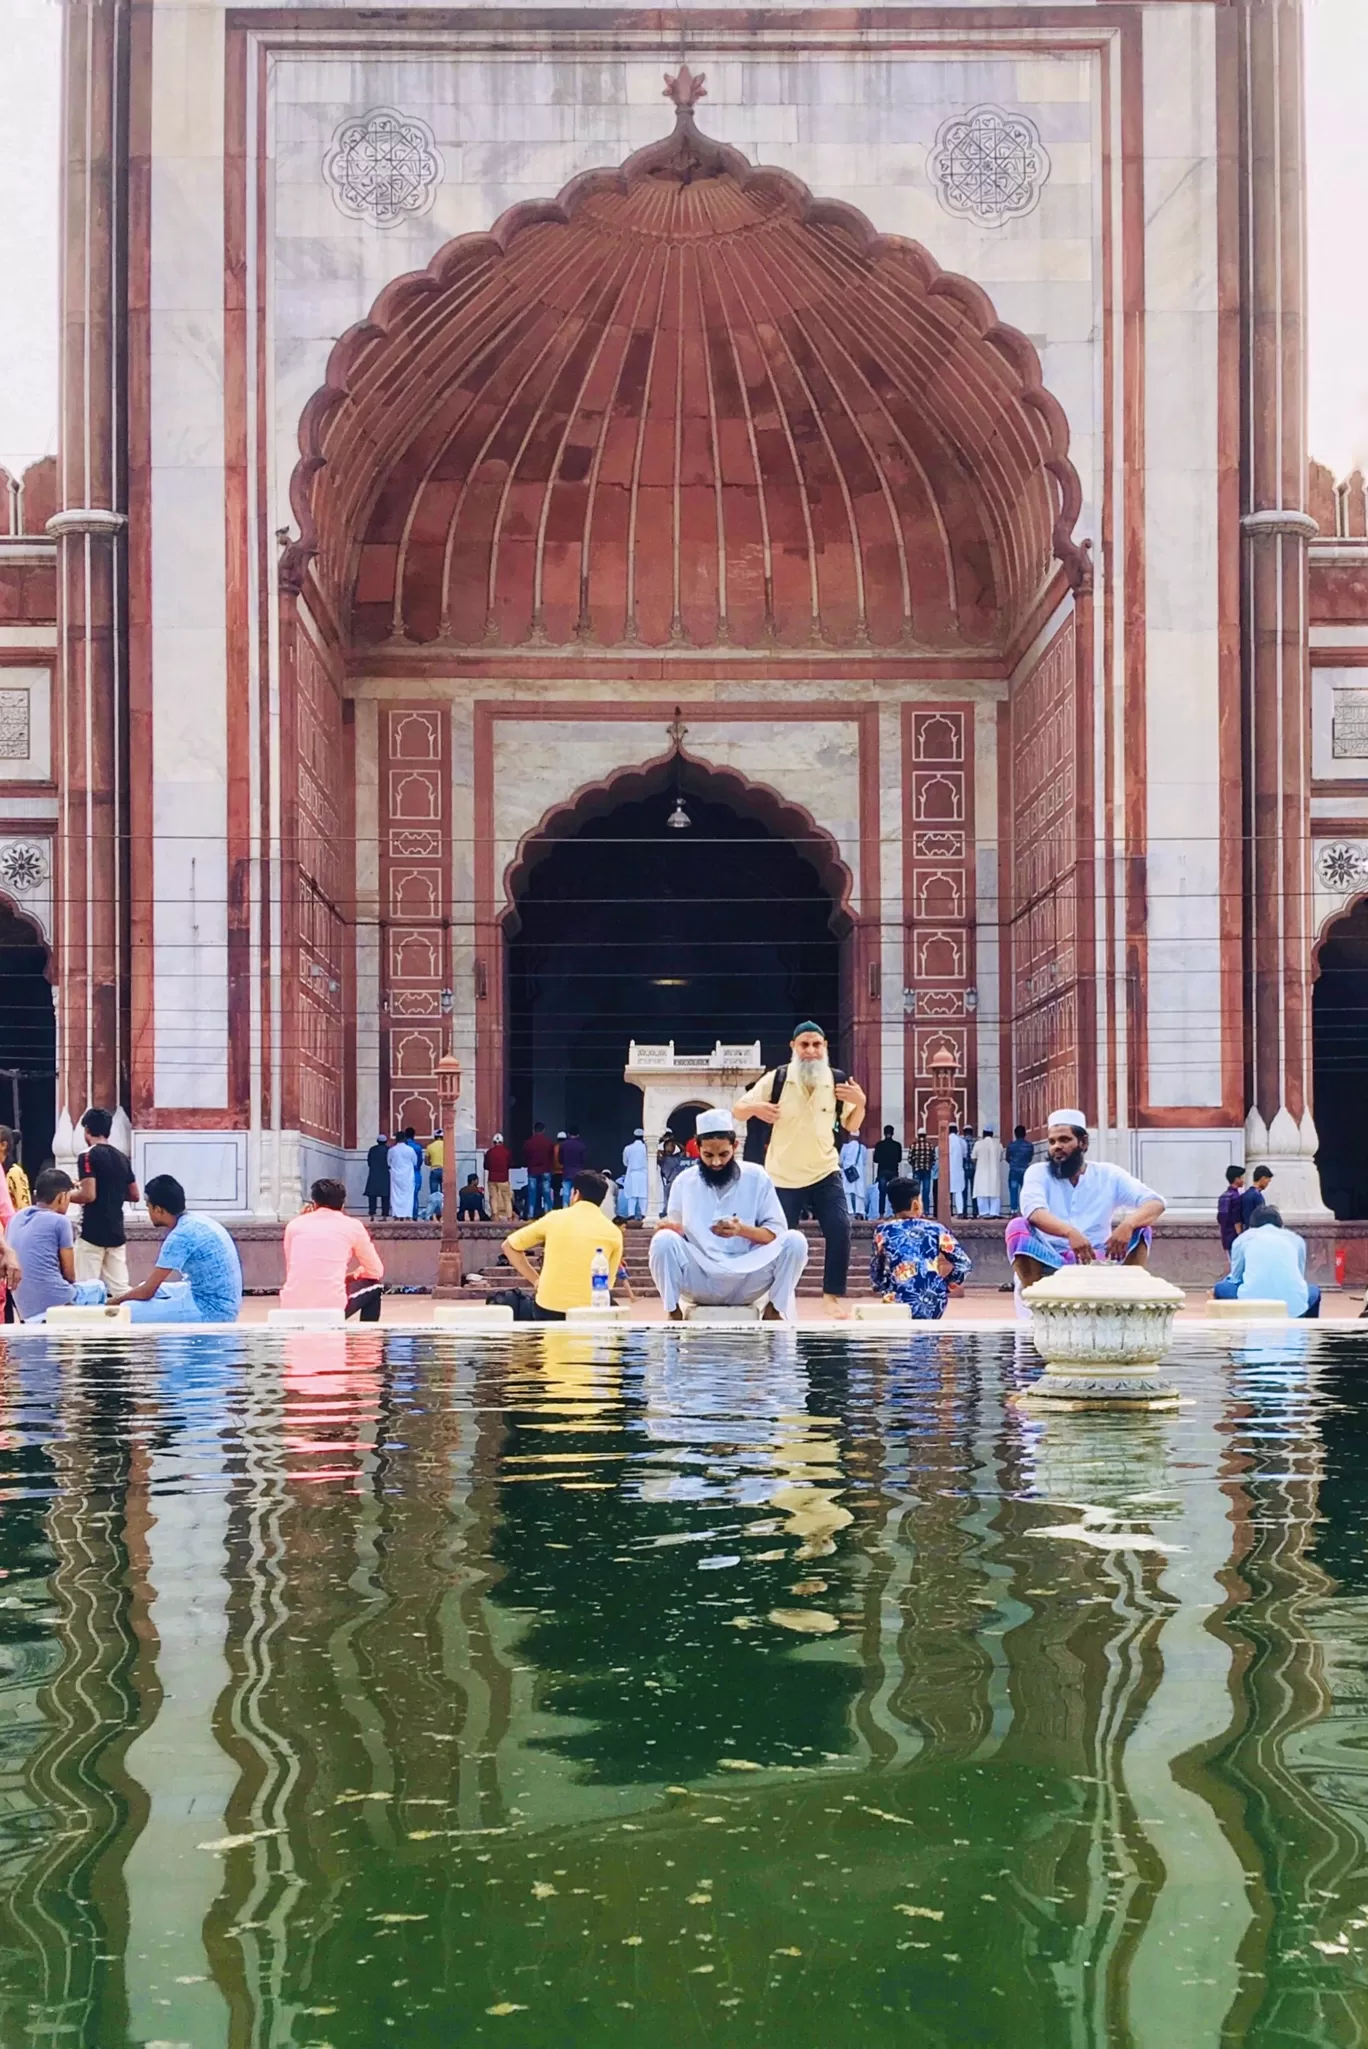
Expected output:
(944, 1068)
(449, 1268)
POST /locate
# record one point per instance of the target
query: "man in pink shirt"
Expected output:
(330, 1262)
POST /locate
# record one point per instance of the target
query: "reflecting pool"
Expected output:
(667, 1688)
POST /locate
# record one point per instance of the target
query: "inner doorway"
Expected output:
(28, 1038)
(1339, 1026)
(631, 928)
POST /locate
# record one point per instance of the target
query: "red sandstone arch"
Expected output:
(684, 403)
(694, 776)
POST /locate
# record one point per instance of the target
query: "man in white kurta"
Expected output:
(635, 1176)
(1074, 1209)
(958, 1175)
(988, 1174)
(725, 1242)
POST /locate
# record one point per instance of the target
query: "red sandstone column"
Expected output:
(1276, 666)
(91, 580)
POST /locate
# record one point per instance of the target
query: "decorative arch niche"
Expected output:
(685, 403)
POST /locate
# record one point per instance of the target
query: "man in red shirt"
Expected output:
(539, 1154)
(497, 1161)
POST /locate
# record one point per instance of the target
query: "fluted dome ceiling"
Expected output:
(684, 405)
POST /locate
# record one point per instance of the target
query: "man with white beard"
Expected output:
(724, 1242)
(802, 1102)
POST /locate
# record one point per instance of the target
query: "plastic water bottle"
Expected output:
(598, 1281)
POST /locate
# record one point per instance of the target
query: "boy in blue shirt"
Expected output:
(198, 1275)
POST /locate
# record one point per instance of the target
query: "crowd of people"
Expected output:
(729, 1235)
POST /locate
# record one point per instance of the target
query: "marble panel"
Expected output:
(187, 82)
(211, 1166)
(187, 377)
(1188, 1167)
(1326, 688)
(25, 724)
(187, 552)
(185, 273)
(1183, 796)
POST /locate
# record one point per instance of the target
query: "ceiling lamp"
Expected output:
(679, 819)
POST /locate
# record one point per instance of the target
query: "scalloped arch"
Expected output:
(698, 777)
(683, 403)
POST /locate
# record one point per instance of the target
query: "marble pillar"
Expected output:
(90, 529)
(1276, 665)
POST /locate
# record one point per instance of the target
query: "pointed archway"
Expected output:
(625, 926)
(1339, 1039)
(28, 1036)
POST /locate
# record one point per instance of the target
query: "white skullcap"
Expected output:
(560, 1134)
(638, 1133)
(715, 1124)
(1074, 1117)
(498, 1138)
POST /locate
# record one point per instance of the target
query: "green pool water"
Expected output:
(660, 1689)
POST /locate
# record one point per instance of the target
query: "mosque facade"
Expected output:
(887, 423)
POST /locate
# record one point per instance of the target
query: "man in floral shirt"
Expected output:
(914, 1260)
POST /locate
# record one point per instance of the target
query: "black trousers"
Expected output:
(526, 1308)
(383, 1200)
(363, 1300)
(826, 1199)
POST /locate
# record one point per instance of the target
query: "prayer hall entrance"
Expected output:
(686, 434)
(1340, 1045)
(28, 1037)
(675, 914)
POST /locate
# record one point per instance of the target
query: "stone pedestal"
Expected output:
(1101, 1331)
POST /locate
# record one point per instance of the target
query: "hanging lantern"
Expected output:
(679, 819)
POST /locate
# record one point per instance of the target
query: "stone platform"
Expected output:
(1188, 1253)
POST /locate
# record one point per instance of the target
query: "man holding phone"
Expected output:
(725, 1242)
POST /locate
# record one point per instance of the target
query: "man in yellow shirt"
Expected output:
(802, 1110)
(435, 1155)
(569, 1239)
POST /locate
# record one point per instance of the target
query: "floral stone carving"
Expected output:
(989, 166)
(1342, 865)
(383, 167)
(23, 865)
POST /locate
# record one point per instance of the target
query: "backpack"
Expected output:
(758, 1134)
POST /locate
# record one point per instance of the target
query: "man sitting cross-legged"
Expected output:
(725, 1242)
(1077, 1210)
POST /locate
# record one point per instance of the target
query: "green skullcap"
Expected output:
(809, 1026)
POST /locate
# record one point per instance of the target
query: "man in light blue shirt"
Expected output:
(726, 1242)
(198, 1275)
(1268, 1264)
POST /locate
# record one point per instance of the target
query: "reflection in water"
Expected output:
(584, 1687)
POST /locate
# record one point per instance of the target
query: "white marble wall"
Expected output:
(189, 660)
(1182, 480)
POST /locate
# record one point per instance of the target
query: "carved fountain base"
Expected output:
(1102, 1330)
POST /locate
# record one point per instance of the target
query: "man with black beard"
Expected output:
(724, 1243)
(1074, 1209)
(803, 1102)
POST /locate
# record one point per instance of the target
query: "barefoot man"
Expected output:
(1077, 1210)
(724, 1243)
(803, 1101)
